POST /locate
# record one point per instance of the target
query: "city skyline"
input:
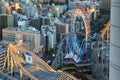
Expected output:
(55, 39)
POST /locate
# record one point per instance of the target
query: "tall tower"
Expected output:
(115, 41)
(5, 21)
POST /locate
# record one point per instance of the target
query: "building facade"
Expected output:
(35, 22)
(28, 38)
(61, 30)
(48, 32)
(2, 57)
(5, 21)
(106, 4)
(40, 21)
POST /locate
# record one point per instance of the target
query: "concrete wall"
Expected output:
(115, 41)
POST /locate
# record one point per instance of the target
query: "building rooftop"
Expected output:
(60, 22)
(24, 29)
(5, 15)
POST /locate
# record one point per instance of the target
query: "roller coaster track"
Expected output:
(39, 69)
(7, 76)
(97, 69)
(14, 59)
(56, 63)
(105, 29)
(37, 59)
(97, 66)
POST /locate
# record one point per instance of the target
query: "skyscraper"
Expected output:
(3, 10)
(35, 22)
(15, 20)
(5, 21)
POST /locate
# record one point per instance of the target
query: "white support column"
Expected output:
(115, 41)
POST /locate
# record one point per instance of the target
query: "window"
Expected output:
(29, 58)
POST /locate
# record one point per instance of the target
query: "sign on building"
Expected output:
(29, 58)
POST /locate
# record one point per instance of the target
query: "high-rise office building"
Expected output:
(44, 20)
(31, 11)
(49, 36)
(3, 7)
(15, 20)
(40, 21)
(3, 10)
(5, 21)
(35, 22)
(61, 29)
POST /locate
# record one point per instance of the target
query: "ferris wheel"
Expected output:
(71, 45)
(79, 24)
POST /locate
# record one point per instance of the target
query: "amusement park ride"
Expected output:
(21, 64)
(101, 65)
(80, 53)
(106, 29)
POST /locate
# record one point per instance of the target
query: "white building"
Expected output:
(31, 10)
(50, 32)
(28, 37)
